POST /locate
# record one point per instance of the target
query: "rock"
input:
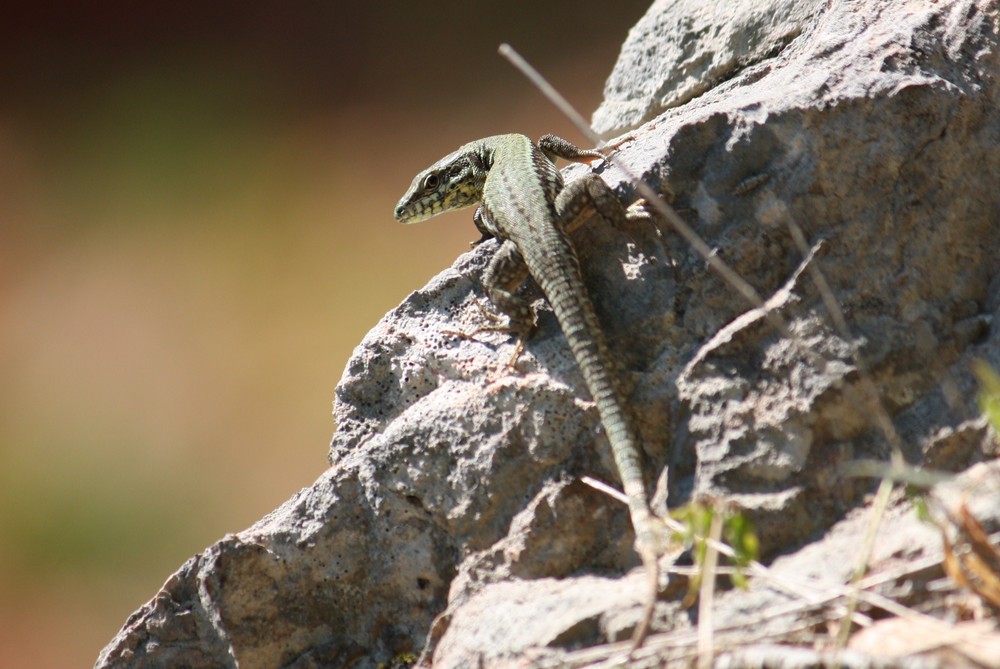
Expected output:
(682, 48)
(454, 510)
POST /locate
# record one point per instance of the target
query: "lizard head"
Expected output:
(454, 182)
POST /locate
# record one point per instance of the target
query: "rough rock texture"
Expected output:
(682, 48)
(454, 509)
(793, 600)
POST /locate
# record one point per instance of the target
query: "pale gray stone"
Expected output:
(455, 490)
(682, 48)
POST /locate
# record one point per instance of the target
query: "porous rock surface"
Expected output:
(682, 48)
(454, 516)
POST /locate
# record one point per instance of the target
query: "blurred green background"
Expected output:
(195, 230)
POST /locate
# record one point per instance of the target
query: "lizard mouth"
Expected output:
(407, 215)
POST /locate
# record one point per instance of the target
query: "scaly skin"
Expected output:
(524, 203)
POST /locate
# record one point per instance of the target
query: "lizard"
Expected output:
(523, 201)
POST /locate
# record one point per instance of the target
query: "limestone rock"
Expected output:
(454, 512)
(682, 48)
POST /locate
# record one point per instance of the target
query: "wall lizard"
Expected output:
(523, 202)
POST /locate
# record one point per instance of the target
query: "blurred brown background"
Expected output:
(195, 230)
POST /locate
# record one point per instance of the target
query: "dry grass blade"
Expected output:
(706, 595)
(899, 473)
(971, 560)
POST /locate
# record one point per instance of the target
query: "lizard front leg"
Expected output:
(479, 218)
(504, 275)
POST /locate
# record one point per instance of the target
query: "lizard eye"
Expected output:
(431, 181)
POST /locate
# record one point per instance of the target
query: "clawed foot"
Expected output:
(640, 211)
(644, 211)
(521, 333)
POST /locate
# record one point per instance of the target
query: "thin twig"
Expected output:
(919, 477)
(706, 594)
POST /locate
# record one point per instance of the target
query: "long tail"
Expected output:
(563, 285)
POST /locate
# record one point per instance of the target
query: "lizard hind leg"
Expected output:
(588, 195)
